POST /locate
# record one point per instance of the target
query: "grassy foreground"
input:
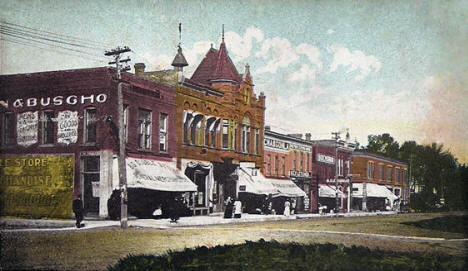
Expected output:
(273, 255)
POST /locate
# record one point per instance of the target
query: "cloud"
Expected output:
(446, 122)
(312, 53)
(240, 46)
(355, 60)
(330, 31)
(305, 73)
(278, 53)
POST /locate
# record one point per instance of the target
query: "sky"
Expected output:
(373, 67)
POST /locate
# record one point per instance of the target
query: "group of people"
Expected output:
(233, 207)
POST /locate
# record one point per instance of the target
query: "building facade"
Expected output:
(219, 124)
(331, 166)
(288, 159)
(382, 174)
(59, 138)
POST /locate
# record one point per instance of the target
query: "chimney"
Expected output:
(267, 128)
(308, 136)
(139, 68)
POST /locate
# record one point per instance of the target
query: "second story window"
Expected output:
(301, 161)
(256, 140)
(380, 172)
(144, 129)
(47, 136)
(225, 134)
(90, 121)
(283, 166)
(389, 174)
(370, 170)
(268, 164)
(7, 127)
(294, 161)
(163, 132)
(276, 165)
(397, 175)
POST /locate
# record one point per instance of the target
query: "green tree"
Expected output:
(384, 145)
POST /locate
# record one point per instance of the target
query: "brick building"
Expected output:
(59, 139)
(331, 158)
(288, 164)
(219, 124)
(378, 182)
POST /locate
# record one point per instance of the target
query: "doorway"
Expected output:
(91, 179)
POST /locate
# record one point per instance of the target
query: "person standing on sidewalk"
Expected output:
(229, 206)
(237, 208)
(287, 208)
(78, 210)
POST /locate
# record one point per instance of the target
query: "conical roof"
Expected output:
(179, 59)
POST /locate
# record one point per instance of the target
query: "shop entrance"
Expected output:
(90, 176)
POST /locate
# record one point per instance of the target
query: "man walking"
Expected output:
(78, 210)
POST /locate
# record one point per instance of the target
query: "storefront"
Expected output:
(379, 197)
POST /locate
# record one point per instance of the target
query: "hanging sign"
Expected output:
(27, 128)
(67, 130)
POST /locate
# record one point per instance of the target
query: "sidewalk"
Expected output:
(17, 224)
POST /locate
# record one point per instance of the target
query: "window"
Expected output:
(196, 136)
(256, 140)
(276, 165)
(7, 126)
(340, 167)
(187, 117)
(348, 167)
(283, 166)
(268, 163)
(90, 125)
(125, 122)
(380, 172)
(246, 96)
(308, 162)
(235, 147)
(301, 161)
(389, 174)
(294, 161)
(397, 175)
(225, 134)
(370, 170)
(144, 129)
(214, 132)
(163, 132)
(47, 131)
(245, 137)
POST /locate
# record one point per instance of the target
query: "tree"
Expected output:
(384, 145)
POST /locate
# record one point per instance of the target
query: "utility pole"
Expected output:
(122, 153)
(336, 136)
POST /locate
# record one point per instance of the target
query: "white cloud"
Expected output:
(278, 52)
(355, 60)
(330, 31)
(312, 53)
(240, 47)
(305, 73)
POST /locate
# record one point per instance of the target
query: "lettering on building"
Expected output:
(56, 101)
(67, 129)
(27, 128)
(325, 159)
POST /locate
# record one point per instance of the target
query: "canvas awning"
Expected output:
(252, 181)
(154, 175)
(287, 188)
(373, 190)
(326, 191)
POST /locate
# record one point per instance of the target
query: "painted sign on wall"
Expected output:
(67, 128)
(27, 128)
(36, 186)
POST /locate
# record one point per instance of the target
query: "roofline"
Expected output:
(381, 157)
(272, 133)
(202, 88)
(56, 71)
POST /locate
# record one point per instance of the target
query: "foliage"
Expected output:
(287, 256)
(451, 223)
(442, 180)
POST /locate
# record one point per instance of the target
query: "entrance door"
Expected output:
(200, 181)
(91, 184)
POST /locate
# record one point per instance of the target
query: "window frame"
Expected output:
(163, 131)
(87, 123)
(8, 135)
(145, 129)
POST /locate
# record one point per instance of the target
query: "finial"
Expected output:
(180, 33)
(223, 33)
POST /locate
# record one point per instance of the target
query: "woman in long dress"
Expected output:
(287, 208)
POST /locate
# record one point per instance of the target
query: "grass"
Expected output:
(450, 223)
(287, 256)
(95, 249)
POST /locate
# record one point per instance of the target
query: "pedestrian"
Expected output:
(228, 207)
(175, 209)
(237, 208)
(78, 210)
(157, 214)
(293, 206)
(287, 208)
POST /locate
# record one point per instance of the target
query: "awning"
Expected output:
(373, 190)
(287, 188)
(252, 181)
(154, 175)
(326, 191)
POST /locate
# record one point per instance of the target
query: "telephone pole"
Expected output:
(336, 136)
(120, 110)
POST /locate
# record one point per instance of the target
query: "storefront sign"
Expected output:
(67, 128)
(299, 174)
(56, 101)
(36, 186)
(306, 202)
(27, 128)
(325, 159)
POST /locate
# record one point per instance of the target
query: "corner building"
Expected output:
(219, 125)
(59, 139)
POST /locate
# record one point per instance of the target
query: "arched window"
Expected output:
(245, 135)
(247, 95)
(195, 127)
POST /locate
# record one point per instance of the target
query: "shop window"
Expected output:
(163, 132)
(47, 131)
(144, 129)
(225, 134)
(370, 170)
(7, 126)
(90, 121)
